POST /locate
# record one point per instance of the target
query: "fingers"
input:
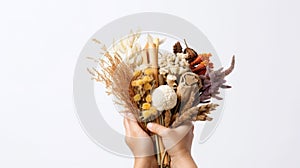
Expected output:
(130, 116)
(157, 128)
(130, 124)
(133, 129)
(126, 125)
(129, 119)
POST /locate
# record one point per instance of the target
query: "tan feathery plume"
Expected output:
(107, 66)
(193, 112)
(204, 111)
(187, 115)
(115, 75)
(121, 80)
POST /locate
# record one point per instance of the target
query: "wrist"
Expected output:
(177, 154)
(145, 162)
(183, 159)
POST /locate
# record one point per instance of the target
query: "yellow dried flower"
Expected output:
(134, 83)
(146, 106)
(147, 113)
(137, 97)
(147, 79)
(149, 71)
(147, 86)
(139, 82)
(137, 73)
(148, 98)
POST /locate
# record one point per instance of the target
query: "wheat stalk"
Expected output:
(185, 116)
(192, 113)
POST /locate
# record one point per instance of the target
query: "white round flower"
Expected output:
(164, 98)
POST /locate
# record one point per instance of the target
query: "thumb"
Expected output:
(157, 128)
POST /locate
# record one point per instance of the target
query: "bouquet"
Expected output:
(166, 87)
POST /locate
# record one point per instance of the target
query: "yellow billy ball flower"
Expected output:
(148, 98)
(148, 71)
(139, 82)
(147, 86)
(137, 73)
(134, 83)
(146, 106)
(146, 114)
(137, 97)
(147, 79)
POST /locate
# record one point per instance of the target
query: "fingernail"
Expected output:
(149, 126)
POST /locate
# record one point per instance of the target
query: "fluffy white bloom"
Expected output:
(164, 98)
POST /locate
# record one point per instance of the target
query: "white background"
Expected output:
(41, 40)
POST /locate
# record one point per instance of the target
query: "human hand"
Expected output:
(139, 143)
(178, 143)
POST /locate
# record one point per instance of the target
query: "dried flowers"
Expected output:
(167, 88)
(170, 63)
(164, 98)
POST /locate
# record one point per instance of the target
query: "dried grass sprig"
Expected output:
(185, 116)
(120, 89)
(204, 111)
(114, 74)
(193, 113)
(107, 66)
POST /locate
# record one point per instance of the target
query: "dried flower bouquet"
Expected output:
(169, 88)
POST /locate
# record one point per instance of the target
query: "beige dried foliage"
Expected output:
(116, 77)
(120, 88)
(185, 116)
(189, 103)
(192, 113)
(204, 111)
(106, 67)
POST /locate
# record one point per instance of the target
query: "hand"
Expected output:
(139, 143)
(178, 143)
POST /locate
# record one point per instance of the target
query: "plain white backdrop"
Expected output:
(40, 42)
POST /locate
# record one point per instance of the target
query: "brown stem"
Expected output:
(185, 43)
